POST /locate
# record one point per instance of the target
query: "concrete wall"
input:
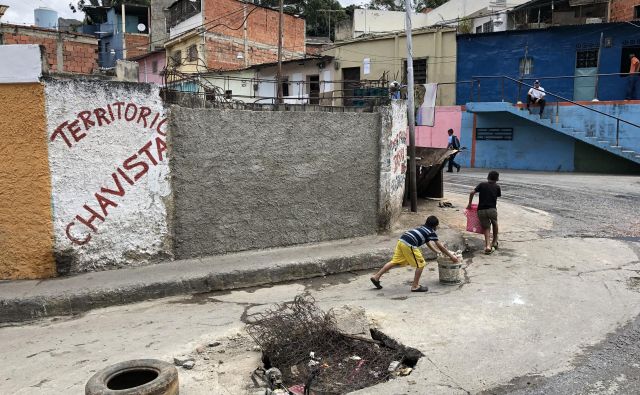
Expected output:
(20, 63)
(393, 162)
(158, 29)
(26, 231)
(378, 21)
(244, 179)
(447, 117)
(109, 174)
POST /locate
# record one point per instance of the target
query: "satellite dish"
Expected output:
(141, 27)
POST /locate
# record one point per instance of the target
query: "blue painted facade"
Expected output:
(576, 140)
(532, 148)
(553, 52)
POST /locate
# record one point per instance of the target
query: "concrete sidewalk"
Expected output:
(33, 299)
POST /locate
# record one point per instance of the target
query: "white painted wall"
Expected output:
(461, 8)
(239, 82)
(186, 25)
(109, 156)
(376, 22)
(297, 74)
(20, 63)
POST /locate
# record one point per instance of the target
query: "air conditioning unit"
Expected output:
(593, 20)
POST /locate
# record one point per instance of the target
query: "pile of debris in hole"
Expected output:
(304, 352)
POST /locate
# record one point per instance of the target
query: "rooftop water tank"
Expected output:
(46, 17)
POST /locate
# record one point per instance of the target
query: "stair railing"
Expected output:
(504, 77)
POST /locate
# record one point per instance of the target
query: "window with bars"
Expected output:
(487, 27)
(586, 59)
(526, 66)
(419, 71)
(176, 58)
(182, 10)
(154, 66)
(192, 53)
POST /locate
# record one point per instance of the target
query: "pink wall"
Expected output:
(145, 69)
(447, 117)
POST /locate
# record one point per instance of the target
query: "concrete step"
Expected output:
(616, 146)
(627, 151)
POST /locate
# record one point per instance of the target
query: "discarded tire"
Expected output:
(136, 377)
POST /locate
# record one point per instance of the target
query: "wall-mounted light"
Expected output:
(239, 55)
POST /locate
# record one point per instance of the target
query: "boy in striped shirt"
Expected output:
(408, 252)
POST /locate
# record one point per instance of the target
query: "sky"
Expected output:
(21, 11)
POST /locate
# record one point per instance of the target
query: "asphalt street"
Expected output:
(583, 206)
(554, 311)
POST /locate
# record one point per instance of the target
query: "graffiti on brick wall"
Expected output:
(126, 174)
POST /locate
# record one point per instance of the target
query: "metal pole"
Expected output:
(411, 116)
(595, 93)
(124, 29)
(279, 78)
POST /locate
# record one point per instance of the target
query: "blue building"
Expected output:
(107, 26)
(546, 54)
(575, 65)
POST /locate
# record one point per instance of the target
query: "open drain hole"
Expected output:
(131, 378)
(303, 351)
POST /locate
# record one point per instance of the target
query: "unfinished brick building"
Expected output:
(229, 35)
(624, 10)
(65, 52)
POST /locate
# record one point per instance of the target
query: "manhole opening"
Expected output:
(303, 352)
(131, 379)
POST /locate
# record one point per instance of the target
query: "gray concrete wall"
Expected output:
(158, 33)
(248, 179)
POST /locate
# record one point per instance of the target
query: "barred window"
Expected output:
(585, 59)
(192, 53)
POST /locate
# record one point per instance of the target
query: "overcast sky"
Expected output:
(21, 11)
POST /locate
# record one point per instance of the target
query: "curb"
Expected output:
(19, 310)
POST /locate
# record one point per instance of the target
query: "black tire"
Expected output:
(136, 377)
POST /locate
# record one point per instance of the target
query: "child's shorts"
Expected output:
(488, 217)
(404, 254)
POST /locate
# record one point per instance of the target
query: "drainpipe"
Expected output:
(124, 42)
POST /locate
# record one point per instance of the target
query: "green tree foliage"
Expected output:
(318, 14)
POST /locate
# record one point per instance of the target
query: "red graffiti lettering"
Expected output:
(71, 131)
(133, 162)
(75, 240)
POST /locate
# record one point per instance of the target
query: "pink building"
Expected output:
(151, 67)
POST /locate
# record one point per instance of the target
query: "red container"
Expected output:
(473, 222)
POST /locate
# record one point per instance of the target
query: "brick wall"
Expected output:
(78, 52)
(262, 24)
(622, 10)
(137, 44)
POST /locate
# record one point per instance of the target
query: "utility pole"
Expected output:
(279, 78)
(124, 30)
(411, 116)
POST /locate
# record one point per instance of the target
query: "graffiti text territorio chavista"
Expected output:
(129, 172)
(71, 131)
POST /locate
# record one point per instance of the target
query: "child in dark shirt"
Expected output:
(487, 211)
(407, 252)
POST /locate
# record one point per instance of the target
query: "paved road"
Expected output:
(561, 295)
(583, 206)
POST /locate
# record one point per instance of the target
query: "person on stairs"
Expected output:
(536, 96)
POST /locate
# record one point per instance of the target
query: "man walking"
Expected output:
(633, 77)
(536, 96)
(453, 144)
